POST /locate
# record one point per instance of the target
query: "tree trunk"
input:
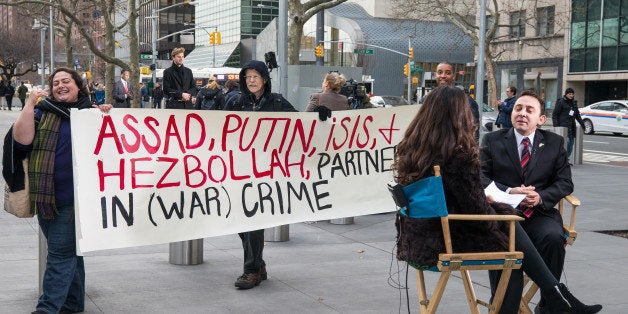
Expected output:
(294, 42)
(490, 78)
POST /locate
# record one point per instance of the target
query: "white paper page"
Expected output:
(503, 197)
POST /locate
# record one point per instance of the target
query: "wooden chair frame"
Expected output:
(465, 262)
(570, 234)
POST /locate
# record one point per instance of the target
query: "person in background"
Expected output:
(232, 89)
(566, 114)
(210, 97)
(144, 96)
(2, 99)
(9, 93)
(22, 90)
(445, 77)
(442, 133)
(179, 85)
(123, 91)
(505, 108)
(48, 143)
(255, 95)
(329, 99)
(158, 95)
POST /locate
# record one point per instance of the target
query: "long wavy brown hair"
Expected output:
(442, 129)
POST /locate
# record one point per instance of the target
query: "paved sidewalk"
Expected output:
(323, 268)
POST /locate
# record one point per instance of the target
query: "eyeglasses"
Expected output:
(252, 77)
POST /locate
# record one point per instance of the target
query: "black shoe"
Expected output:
(576, 305)
(555, 302)
(262, 273)
(248, 281)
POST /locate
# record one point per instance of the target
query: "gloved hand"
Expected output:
(323, 113)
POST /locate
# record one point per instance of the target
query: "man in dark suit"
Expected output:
(123, 91)
(179, 85)
(545, 178)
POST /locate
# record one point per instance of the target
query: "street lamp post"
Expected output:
(42, 39)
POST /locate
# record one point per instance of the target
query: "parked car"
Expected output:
(388, 101)
(489, 116)
(606, 116)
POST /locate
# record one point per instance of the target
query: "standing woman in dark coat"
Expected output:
(442, 133)
(49, 144)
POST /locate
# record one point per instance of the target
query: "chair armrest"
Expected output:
(511, 219)
(569, 225)
(485, 217)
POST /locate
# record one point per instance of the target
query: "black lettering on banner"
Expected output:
(355, 163)
(177, 209)
(117, 206)
(256, 198)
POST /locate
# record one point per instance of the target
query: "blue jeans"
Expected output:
(570, 142)
(64, 279)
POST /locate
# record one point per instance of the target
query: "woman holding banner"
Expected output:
(330, 98)
(42, 131)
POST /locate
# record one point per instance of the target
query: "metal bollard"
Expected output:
(277, 234)
(342, 221)
(578, 146)
(186, 252)
(43, 257)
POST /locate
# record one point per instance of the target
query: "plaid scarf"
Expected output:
(42, 158)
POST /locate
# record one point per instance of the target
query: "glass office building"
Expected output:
(599, 36)
(236, 20)
(598, 49)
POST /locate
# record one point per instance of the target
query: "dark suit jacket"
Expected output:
(548, 169)
(118, 95)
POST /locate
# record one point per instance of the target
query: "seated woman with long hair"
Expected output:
(442, 133)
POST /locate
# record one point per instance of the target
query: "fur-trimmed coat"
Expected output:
(421, 240)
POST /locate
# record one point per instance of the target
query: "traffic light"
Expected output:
(406, 69)
(411, 53)
(320, 51)
(218, 41)
(212, 38)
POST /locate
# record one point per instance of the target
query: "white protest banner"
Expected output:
(157, 176)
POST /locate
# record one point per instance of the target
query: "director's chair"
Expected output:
(426, 199)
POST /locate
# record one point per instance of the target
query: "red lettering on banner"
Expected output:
(135, 173)
(102, 174)
(107, 123)
(195, 169)
(188, 125)
(172, 131)
(151, 149)
(128, 147)
(173, 162)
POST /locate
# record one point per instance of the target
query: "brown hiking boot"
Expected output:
(248, 281)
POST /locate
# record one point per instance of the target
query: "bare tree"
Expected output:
(464, 15)
(299, 14)
(110, 9)
(17, 56)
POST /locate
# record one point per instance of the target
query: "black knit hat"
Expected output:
(569, 90)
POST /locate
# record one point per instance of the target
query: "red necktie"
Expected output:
(525, 155)
(525, 158)
(126, 88)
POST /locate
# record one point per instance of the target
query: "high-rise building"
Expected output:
(238, 22)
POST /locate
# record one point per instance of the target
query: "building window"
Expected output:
(598, 36)
(545, 21)
(517, 24)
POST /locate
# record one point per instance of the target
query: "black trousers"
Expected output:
(253, 245)
(540, 238)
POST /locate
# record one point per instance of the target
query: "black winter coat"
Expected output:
(421, 240)
(566, 114)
